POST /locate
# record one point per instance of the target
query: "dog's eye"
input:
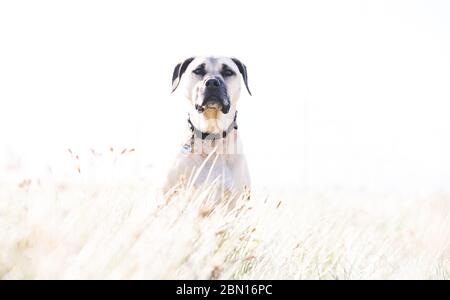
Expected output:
(199, 71)
(227, 73)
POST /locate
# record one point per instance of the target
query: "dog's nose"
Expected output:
(212, 83)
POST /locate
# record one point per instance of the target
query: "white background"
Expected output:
(349, 94)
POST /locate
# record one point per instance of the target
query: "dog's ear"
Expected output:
(243, 69)
(178, 72)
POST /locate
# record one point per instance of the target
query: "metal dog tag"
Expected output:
(187, 148)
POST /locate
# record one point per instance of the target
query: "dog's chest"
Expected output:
(212, 161)
(219, 168)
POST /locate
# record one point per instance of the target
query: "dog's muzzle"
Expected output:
(215, 96)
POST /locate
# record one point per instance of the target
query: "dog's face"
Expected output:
(212, 85)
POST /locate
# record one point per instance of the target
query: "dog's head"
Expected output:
(212, 85)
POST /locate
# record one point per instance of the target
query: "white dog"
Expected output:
(211, 153)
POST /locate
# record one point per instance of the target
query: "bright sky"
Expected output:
(352, 94)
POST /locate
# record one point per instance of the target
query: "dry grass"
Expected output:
(123, 231)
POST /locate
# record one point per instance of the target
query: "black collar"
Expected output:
(212, 136)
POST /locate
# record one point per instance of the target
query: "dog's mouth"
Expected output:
(213, 103)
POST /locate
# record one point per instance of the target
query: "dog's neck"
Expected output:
(197, 133)
(225, 142)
